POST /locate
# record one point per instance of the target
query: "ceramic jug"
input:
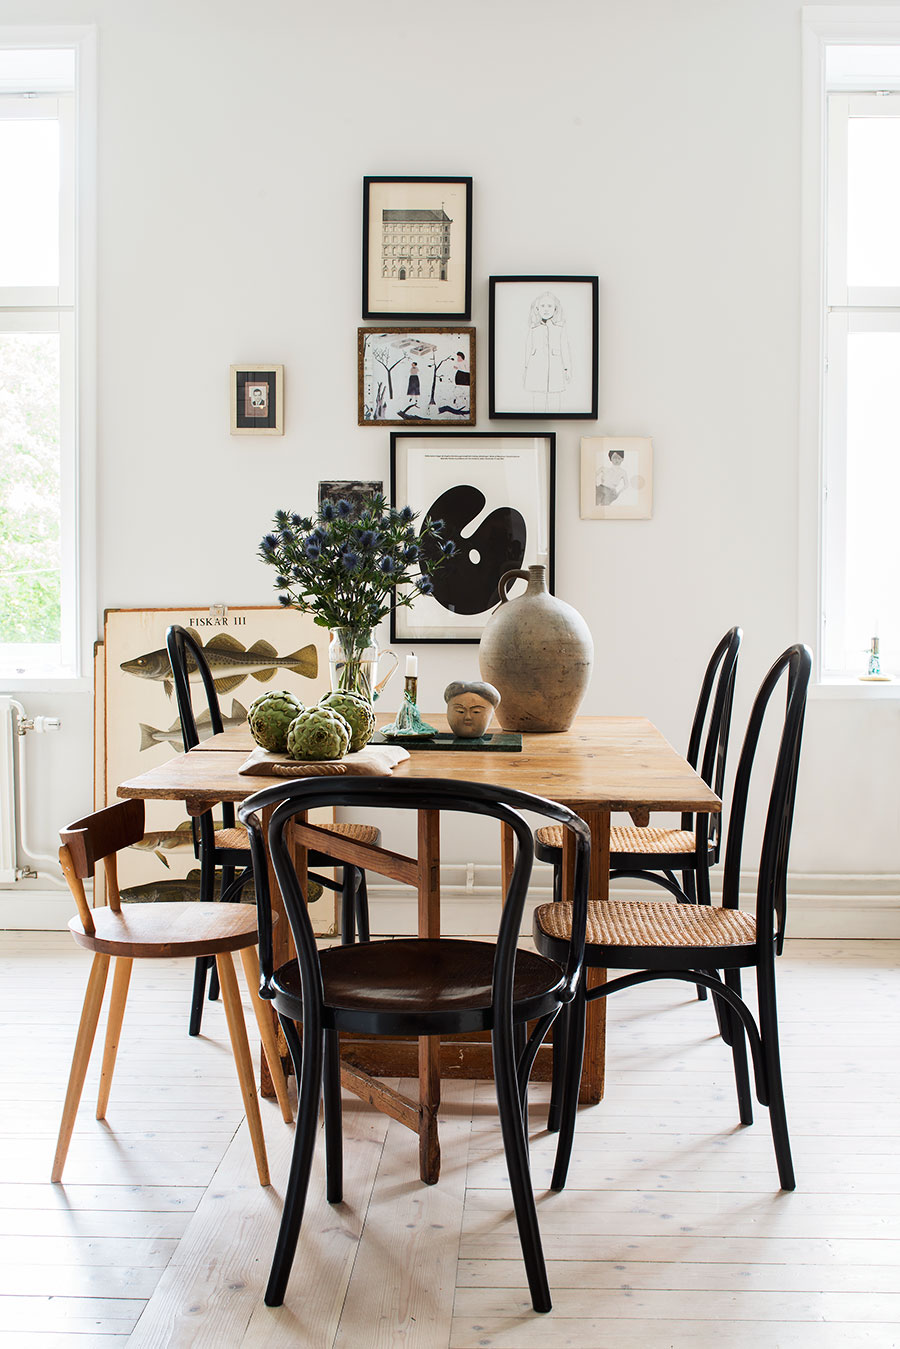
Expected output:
(538, 652)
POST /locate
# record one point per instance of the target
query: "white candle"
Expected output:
(412, 666)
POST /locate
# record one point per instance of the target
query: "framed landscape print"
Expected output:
(257, 400)
(417, 248)
(495, 493)
(616, 478)
(358, 493)
(542, 358)
(416, 375)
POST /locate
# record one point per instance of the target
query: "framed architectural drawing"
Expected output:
(542, 358)
(494, 492)
(416, 375)
(417, 248)
(616, 478)
(257, 400)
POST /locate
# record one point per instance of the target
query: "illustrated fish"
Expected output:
(174, 891)
(230, 662)
(168, 840)
(150, 736)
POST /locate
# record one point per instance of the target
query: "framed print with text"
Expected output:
(417, 248)
(542, 347)
(416, 375)
(257, 400)
(495, 492)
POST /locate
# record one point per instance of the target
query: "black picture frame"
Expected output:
(395, 293)
(550, 378)
(456, 475)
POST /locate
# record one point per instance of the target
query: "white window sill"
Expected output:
(848, 687)
(13, 684)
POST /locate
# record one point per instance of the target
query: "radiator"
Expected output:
(8, 792)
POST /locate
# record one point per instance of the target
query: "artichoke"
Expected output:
(270, 716)
(357, 711)
(318, 733)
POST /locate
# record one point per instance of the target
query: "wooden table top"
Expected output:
(606, 763)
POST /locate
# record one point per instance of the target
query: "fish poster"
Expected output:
(250, 651)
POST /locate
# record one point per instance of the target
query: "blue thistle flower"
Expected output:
(284, 601)
(448, 548)
(327, 511)
(437, 526)
(386, 564)
(269, 544)
(298, 522)
(406, 513)
(281, 582)
(425, 586)
(368, 539)
(350, 560)
(287, 536)
(344, 508)
(313, 551)
(411, 554)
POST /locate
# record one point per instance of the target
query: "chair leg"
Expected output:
(201, 965)
(557, 1082)
(362, 907)
(515, 1145)
(739, 1051)
(576, 1012)
(121, 980)
(308, 1065)
(237, 1030)
(334, 1151)
(84, 1042)
(213, 981)
(348, 905)
(768, 1027)
(263, 1013)
(557, 881)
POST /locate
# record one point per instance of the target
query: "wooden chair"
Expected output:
(227, 848)
(411, 986)
(132, 932)
(694, 942)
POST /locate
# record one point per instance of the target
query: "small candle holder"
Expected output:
(873, 666)
(408, 724)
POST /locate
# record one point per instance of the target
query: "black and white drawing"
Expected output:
(494, 493)
(417, 248)
(543, 346)
(616, 478)
(358, 493)
(406, 375)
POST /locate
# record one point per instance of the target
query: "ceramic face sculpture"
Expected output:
(470, 708)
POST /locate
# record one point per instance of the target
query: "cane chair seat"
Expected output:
(236, 839)
(652, 923)
(170, 929)
(645, 841)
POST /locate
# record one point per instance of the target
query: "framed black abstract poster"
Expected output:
(495, 493)
(417, 248)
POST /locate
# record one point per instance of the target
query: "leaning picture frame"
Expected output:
(416, 375)
(256, 399)
(542, 347)
(417, 248)
(495, 492)
(616, 478)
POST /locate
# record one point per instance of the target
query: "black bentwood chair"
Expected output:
(412, 986)
(227, 848)
(694, 942)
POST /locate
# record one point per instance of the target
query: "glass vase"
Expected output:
(353, 662)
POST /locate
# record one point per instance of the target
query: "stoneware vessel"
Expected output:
(538, 652)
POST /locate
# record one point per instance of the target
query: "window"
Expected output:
(39, 582)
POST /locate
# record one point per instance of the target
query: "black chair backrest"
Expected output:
(186, 658)
(713, 712)
(503, 804)
(771, 894)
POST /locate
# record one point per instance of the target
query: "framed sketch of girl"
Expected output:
(543, 347)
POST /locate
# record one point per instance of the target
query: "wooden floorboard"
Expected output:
(671, 1232)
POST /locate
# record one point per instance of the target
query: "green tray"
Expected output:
(509, 742)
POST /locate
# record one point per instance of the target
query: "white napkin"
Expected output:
(370, 761)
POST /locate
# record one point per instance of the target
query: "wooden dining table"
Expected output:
(600, 766)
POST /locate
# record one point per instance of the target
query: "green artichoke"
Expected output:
(318, 733)
(270, 716)
(357, 711)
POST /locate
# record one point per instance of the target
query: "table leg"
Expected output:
(429, 857)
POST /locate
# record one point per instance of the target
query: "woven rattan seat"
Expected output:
(652, 923)
(630, 839)
(359, 833)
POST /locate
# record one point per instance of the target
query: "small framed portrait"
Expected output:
(417, 248)
(616, 478)
(495, 493)
(416, 375)
(360, 494)
(257, 400)
(542, 358)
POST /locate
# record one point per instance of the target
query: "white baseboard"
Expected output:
(836, 906)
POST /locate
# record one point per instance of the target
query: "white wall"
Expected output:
(653, 143)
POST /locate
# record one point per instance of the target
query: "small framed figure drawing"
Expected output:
(494, 491)
(416, 375)
(543, 347)
(616, 478)
(256, 397)
(417, 248)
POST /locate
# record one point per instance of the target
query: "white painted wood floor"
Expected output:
(672, 1231)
